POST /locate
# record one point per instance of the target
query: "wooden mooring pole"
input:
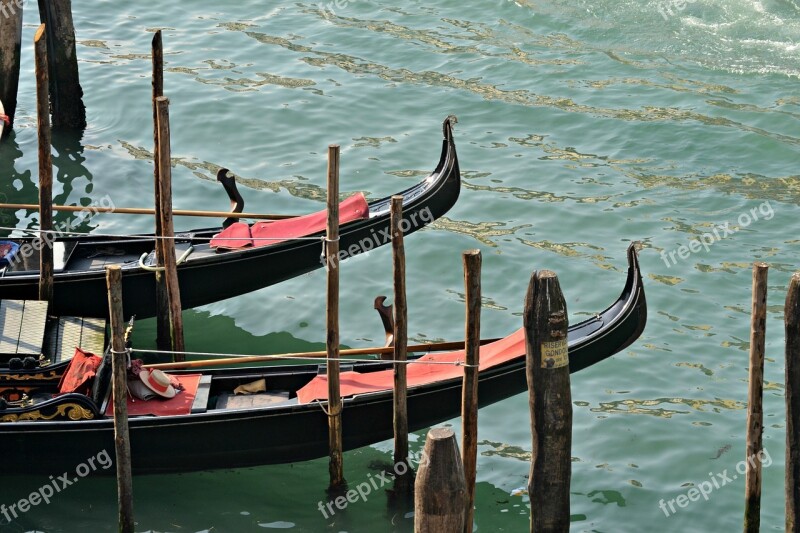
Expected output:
(45, 167)
(336, 465)
(162, 300)
(755, 412)
(792, 481)
(400, 337)
(65, 88)
(440, 488)
(119, 367)
(165, 194)
(547, 362)
(469, 390)
(10, 55)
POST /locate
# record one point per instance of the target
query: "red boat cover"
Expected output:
(419, 373)
(79, 373)
(237, 235)
(181, 404)
(240, 235)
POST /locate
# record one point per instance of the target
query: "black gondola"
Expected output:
(58, 434)
(207, 276)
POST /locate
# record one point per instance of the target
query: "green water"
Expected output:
(583, 126)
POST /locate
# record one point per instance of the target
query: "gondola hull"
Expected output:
(281, 434)
(207, 277)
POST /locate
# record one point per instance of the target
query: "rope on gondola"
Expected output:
(180, 260)
(126, 350)
(321, 406)
(324, 257)
(302, 358)
(180, 236)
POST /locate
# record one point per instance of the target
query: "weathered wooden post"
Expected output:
(45, 168)
(755, 412)
(545, 321)
(440, 489)
(162, 301)
(119, 365)
(65, 86)
(792, 481)
(10, 54)
(469, 390)
(165, 194)
(400, 337)
(336, 465)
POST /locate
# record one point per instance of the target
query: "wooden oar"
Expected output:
(434, 347)
(146, 211)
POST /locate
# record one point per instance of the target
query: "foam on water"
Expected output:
(739, 36)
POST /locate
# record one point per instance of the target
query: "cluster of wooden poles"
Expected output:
(445, 484)
(446, 472)
(755, 411)
(169, 325)
(168, 319)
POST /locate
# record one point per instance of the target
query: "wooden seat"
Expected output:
(200, 403)
(249, 401)
(16, 340)
(64, 334)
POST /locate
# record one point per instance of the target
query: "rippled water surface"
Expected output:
(582, 126)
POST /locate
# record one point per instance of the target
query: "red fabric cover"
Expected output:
(181, 404)
(79, 373)
(235, 236)
(273, 232)
(352, 383)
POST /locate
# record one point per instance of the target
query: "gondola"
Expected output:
(207, 273)
(287, 423)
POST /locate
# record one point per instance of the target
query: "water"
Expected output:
(583, 126)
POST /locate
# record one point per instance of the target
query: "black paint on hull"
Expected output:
(283, 434)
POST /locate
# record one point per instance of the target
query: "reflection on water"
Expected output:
(502, 449)
(570, 249)
(700, 367)
(607, 497)
(68, 170)
(648, 407)
(357, 66)
(299, 186)
(527, 194)
(481, 231)
(486, 302)
(16, 186)
(751, 186)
